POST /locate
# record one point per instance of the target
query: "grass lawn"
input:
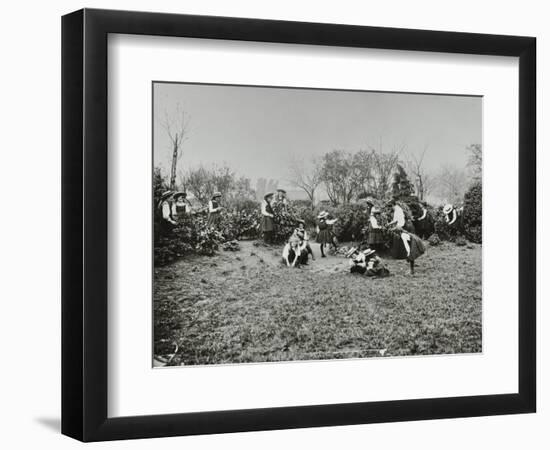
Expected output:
(245, 306)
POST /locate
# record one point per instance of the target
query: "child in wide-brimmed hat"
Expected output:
(375, 235)
(293, 253)
(281, 199)
(180, 206)
(301, 233)
(453, 217)
(375, 267)
(366, 262)
(214, 210)
(325, 235)
(166, 211)
(356, 261)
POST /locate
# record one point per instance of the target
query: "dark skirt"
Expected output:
(375, 237)
(425, 227)
(302, 257)
(267, 224)
(378, 271)
(417, 247)
(324, 236)
(214, 219)
(166, 228)
(358, 269)
(398, 250)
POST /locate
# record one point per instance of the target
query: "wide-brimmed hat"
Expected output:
(216, 194)
(369, 201)
(268, 194)
(369, 252)
(447, 208)
(281, 190)
(375, 210)
(322, 215)
(166, 194)
(180, 194)
(351, 251)
(303, 222)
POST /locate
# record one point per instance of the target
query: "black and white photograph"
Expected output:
(295, 224)
(272, 225)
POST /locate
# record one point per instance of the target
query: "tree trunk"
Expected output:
(420, 188)
(174, 163)
(312, 198)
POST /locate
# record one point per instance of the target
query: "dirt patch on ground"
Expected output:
(246, 306)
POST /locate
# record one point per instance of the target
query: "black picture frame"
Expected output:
(84, 224)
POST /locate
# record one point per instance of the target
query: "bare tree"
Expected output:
(306, 176)
(362, 171)
(422, 179)
(203, 182)
(339, 176)
(176, 127)
(452, 182)
(383, 166)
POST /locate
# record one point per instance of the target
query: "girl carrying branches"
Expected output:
(326, 235)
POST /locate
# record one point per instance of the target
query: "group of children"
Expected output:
(366, 262)
(363, 261)
(298, 250)
(405, 243)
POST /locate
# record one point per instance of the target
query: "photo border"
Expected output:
(84, 224)
(282, 87)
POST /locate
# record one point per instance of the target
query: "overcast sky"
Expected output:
(256, 130)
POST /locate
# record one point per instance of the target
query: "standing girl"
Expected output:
(325, 236)
(375, 236)
(181, 205)
(268, 225)
(214, 210)
(411, 244)
(281, 199)
(167, 222)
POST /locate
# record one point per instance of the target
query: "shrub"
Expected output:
(473, 212)
(441, 227)
(190, 235)
(240, 224)
(285, 221)
(434, 240)
(231, 246)
(474, 233)
(170, 244)
(352, 222)
(461, 241)
(208, 241)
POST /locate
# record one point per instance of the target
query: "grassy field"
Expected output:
(247, 307)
